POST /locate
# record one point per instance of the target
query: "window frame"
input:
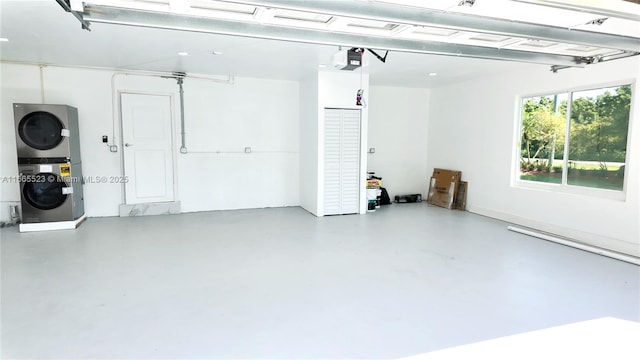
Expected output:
(564, 187)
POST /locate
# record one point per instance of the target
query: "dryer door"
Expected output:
(41, 130)
(47, 194)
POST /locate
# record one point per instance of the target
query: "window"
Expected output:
(576, 138)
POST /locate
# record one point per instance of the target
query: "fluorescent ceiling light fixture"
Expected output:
(434, 31)
(302, 16)
(223, 6)
(396, 14)
(183, 53)
(490, 38)
(433, 4)
(584, 48)
(538, 43)
(370, 24)
(4, 39)
(433, 73)
(216, 52)
(183, 22)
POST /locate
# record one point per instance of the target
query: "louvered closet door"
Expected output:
(332, 120)
(342, 162)
(350, 162)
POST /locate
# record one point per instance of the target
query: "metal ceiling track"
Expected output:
(67, 7)
(585, 7)
(113, 15)
(436, 18)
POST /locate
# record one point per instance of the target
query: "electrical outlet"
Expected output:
(105, 139)
(113, 148)
(247, 150)
(372, 150)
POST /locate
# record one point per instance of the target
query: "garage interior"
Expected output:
(223, 247)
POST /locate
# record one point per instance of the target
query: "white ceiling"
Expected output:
(42, 32)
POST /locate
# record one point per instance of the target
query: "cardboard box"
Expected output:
(444, 178)
(441, 196)
(443, 188)
(461, 197)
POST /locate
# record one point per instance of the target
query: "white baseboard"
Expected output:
(54, 225)
(578, 236)
(150, 209)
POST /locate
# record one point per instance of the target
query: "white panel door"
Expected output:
(147, 140)
(341, 161)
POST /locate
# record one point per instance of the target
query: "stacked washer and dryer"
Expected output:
(50, 166)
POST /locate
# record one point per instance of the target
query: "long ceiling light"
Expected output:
(183, 22)
(388, 26)
(428, 17)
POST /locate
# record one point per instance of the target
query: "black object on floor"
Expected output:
(384, 197)
(411, 198)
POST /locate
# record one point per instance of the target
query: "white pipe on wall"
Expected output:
(42, 82)
(115, 106)
(243, 152)
(226, 79)
(596, 250)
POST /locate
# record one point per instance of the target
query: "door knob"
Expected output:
(127, 144)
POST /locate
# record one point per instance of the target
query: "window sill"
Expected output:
(616, 195)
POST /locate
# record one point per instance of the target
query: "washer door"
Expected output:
(45, 195)
(41, 130)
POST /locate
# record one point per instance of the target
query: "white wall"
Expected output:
(90, 92)
(221, 120)
(398, 132)
(21, 91)
(261, 114)
(309, 144)
(472, 127)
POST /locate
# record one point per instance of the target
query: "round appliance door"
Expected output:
(41, 130)
(47, 194)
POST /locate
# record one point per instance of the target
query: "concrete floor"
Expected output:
(280, 283)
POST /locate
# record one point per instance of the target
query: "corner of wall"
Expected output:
(308, 143)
